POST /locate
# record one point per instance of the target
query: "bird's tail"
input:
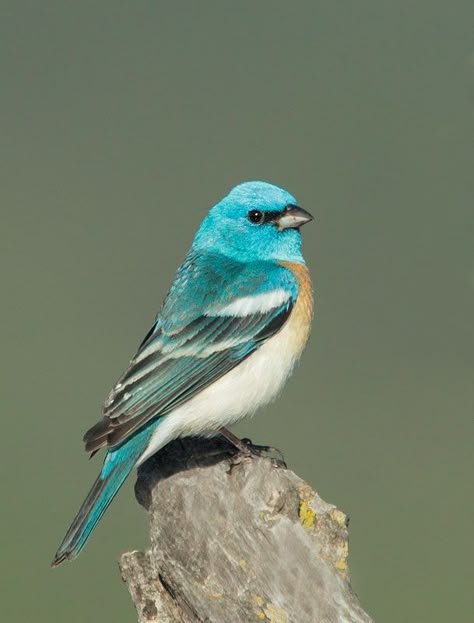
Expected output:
(118, 463)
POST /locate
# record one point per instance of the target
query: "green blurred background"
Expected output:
(121, 123)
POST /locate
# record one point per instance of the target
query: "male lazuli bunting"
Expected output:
(233, 325)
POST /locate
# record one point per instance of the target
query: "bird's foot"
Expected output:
(269, 452)
(247, 450)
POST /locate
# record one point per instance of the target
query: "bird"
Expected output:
(227, 337)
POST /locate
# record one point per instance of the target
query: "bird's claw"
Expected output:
(248, 450)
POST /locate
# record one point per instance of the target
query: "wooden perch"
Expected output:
(237, 539)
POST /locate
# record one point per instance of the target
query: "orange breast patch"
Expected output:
(302, 313)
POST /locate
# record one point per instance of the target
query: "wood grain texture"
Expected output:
(237, 539)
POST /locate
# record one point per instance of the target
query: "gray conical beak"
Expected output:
(292, 217)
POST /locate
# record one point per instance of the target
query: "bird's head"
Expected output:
(255, 221)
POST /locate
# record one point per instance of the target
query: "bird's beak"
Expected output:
(292, 217)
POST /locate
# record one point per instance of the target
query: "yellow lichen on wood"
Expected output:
(339, 517)
(307, 515)
(258, 600)
(341, 565)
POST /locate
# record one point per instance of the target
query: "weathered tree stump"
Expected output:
(237, 539)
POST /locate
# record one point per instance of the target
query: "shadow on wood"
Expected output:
(236, 539)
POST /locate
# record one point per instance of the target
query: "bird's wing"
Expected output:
(217, 313)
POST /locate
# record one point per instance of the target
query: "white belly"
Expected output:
(253, 383)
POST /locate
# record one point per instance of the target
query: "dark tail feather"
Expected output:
(94, 506)
(118, 463)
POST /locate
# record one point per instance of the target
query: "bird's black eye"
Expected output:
(255, 216)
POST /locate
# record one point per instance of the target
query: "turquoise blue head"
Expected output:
(255, 221)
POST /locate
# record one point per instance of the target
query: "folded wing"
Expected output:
(217, 313)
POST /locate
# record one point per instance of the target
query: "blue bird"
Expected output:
(234, 323)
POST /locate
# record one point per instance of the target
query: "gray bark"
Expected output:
(236, 539)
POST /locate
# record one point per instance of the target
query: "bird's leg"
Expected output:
(242, 446)
(247, 448)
